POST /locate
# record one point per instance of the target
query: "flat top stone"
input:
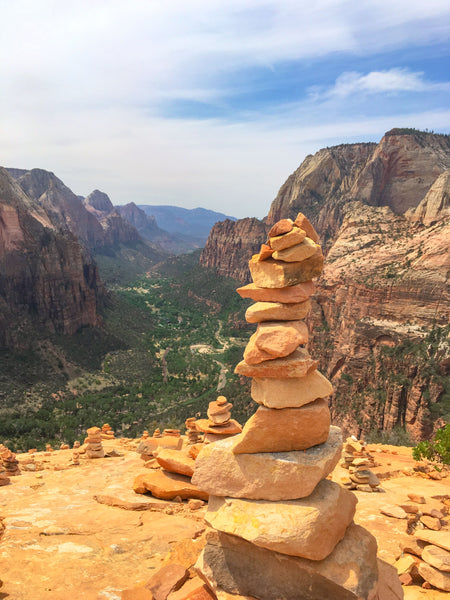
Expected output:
(291, 294)
(437, 538)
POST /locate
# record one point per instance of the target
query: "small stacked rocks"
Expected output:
(64, 447)
(357, 460)
(172, 432)
(75, 458)
(94, 448)
(10, 462)
(281, 529)
(219, 424)
(157, 433)
(107, 432)
(191, 431)
(76, 444)
(48, 448)
(4, 479)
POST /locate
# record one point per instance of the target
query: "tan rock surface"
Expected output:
(292, 392)
(348, 573)
(297, 253)
(439, 579)
(437, 557)
(168, 579)
(176, 461)
(167, 486)
(276, 311)
(310, 527)
(292, 238)
(254, 355)
(437, 538)
(272, 273)
(297, 364)
(287, 295)
(285, 429)
(274, 339)
(265, 476)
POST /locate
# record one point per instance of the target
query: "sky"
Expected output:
(211, 103)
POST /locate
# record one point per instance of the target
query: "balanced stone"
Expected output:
(302, 222)
(265, 475)
(265, 252)
(286, 240)
(274, 339)
(240, 567)
(276, 311)
(297, 364)
(292, 392)
(175, 461)
(297, 253)
(273, 273)
(281, 227)
(230, 428)
(219, 411)
(437, 538)
(287, 295)
(167, 486)
(310, 527)
(285, 429)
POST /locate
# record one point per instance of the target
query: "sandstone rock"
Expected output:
(405, 564)
(393, 511)
(136, 593)
(416, 498)
(276, 311)
(149, 445)
(265, 252)
(349, 572)
(285, 429)
(280, 339)
(194, 589)
(281, 227)
(437, 538)
(439, 579)
(286, 295)
(292, 392)
(277, 274)
(302, 222)
(265, 476)
(194, 450)
(297, 364)
(254, 355)
(166, 580)
(195, 504)
(412, 545)
(310, 527)
(167, 486)
(297, 253)
(292, 238)
(230, 428)
(437, 557)
(176, 461)
(431, 522)
(411, 509)
(389, 587)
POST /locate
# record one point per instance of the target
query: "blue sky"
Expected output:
(211, 103)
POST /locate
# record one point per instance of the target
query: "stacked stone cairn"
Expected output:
(219, 424)
(281, 529)
(10, 462)
(107, 432)
(192, 433)
(4, 479)
(94, 447)
(358, 461)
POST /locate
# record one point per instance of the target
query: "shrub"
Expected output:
(438, 450)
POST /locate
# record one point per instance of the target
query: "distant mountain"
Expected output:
(194, 222)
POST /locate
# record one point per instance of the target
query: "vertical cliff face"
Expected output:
(229, 245)
(48, 280)
(381, 311)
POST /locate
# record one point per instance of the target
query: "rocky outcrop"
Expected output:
(98, 203)
(48, 280)
(229, 245)
(382, 304)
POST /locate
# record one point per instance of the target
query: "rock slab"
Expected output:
(167, 486)
(293, 392)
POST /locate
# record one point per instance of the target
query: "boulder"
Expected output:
(297, 364)
(287, 295)
(237, 566)
(439, 579)
(273, 273)
(276, 311)
(437, 557)
(297, 253)
(265, 476)
(167, 486)
(292, 392)
(285, 429)
(176, 461)
(310, 527)
(286, 240)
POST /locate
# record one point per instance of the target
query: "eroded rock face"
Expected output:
(49, 280)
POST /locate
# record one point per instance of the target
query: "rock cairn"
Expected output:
(357, 460)
(107, 432)
(280, 528)
(192, 433)
(94, 447)
(10, 462)
(4, 479)
(219, 424)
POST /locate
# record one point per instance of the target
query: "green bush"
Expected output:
(438, 450)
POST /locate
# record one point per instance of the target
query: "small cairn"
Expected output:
(4, 479)
(48, 448)
(357, 460)
(107, 432)
(75, 458)
(172, 432)
(10, 462)
(219, 424)
(280, 528)
(94, 448)
(192, 432)
(76, 444)
(64, 447)
(157, 433)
